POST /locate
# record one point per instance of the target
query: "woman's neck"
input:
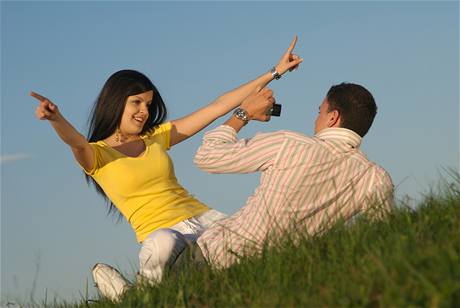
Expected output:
(119, 138)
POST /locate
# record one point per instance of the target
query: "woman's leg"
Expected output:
(162, 247)
(159, 250)
(192, 229)
(208, 218)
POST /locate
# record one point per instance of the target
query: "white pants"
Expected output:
(161, 247)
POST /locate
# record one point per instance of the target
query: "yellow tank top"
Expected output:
(144, 188)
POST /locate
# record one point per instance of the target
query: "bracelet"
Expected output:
(275, 74)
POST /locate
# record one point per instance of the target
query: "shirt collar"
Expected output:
(343, 134)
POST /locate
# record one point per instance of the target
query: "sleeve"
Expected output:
(381, 196)
(221, 152)
(97, 152)
(162, 134)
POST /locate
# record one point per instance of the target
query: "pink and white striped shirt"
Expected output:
(305, 181)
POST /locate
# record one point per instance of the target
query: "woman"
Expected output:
(125, 158)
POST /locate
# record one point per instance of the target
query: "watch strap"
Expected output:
(275, 73)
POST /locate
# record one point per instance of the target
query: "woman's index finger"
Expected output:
(37, 96)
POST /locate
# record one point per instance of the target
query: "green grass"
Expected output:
(410, 259)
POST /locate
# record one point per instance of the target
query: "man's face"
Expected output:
(323, 116)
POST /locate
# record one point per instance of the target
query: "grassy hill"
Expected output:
(411, 259)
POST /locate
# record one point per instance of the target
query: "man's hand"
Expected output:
(258, 104)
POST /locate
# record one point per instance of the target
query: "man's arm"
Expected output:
(257, 107)
(221, 152)
(381, 196)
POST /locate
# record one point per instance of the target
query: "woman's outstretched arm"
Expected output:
(81, 149)
(189, 125)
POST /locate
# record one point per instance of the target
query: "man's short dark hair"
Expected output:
(355, 105)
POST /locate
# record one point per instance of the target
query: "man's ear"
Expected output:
(333, 118)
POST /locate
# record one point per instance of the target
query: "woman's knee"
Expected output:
(161, 245)
(158, 250)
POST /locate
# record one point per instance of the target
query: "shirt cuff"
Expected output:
(223, 132)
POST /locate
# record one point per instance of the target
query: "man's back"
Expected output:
(306, 182)
(325, 178)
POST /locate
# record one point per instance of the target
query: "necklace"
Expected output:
(120, 138)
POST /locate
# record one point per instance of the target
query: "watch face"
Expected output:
(241, 114)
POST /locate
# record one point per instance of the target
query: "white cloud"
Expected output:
(4, 159)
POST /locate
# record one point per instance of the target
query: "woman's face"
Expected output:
(136, 113)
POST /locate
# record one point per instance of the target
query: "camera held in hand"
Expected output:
(275, 110)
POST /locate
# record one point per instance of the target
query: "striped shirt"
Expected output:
(309, 182)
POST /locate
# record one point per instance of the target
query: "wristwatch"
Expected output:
(275, 73)
(241, 114)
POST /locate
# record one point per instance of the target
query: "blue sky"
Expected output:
(54, 228)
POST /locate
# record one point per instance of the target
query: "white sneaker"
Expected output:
(109, 281)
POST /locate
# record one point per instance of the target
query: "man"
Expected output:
(306, 182)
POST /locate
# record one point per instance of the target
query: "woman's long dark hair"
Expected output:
(108, 109)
